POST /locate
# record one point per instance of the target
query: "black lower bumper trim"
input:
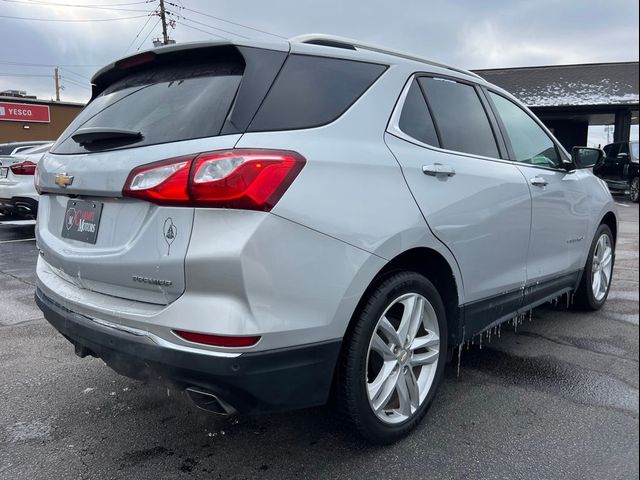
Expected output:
(254, 382)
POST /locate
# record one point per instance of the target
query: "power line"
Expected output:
(139, 32)
(77, 84)
(83, 77)
(81, 5)
(213, 28)
(200, 30)
(35, 3)
(23, 75)
(69, 20)
(228, 21)
(23, 64)
(148, 33)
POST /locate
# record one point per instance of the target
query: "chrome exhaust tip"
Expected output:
(209, 402)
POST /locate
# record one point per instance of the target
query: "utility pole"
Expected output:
(56, 78)
(163, 17)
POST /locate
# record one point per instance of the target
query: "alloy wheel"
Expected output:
(602, 267)
(402, 359)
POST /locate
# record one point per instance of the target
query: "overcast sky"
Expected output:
(466, 33)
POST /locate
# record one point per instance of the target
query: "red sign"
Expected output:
(24, 112)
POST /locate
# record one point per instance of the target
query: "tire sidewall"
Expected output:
(631, 195)
(588, 271)
(390, 290)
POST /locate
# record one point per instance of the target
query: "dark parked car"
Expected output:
(619, 168)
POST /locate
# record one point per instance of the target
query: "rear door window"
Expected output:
(165, 104)
(311, 91)
(415, 119)
(460, 117)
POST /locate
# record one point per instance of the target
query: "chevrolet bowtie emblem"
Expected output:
(63, 180)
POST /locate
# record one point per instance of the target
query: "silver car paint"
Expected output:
(131, 239)
(295, 275)
(21, 185)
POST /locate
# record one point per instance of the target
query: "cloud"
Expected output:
(466, 33)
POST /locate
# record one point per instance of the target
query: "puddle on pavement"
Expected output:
(548, 375)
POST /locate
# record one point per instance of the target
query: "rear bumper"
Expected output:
(252, 382)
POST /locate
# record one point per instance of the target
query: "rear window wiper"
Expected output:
(93, 135)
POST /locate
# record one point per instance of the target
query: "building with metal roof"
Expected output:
(569, 98)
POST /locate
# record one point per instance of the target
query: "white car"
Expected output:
(18, 196)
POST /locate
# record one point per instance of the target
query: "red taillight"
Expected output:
(164, 183)
(23, 168)
(217, 340)
(241, 178)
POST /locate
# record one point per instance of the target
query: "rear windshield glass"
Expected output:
(40, 149)
(165, 104)
(6, 149)
(312, 91)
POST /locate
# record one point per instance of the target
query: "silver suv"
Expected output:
(266, 225)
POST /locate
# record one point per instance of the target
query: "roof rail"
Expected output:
(348, 43)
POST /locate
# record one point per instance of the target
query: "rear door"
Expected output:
(560, 204)
(475, 202)
(87, 232)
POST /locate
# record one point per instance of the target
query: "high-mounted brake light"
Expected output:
(23, 168)
(136, 60)
(242, 178)
(217, 340)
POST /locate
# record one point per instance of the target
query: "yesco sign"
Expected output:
(24, 112)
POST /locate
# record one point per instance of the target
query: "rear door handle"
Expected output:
(539, 182)
(438, 169)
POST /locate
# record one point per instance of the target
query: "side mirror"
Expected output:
(586, 157)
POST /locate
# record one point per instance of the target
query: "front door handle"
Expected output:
(539, 182)
(438, 169)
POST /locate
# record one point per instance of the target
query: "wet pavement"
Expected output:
(557, 399)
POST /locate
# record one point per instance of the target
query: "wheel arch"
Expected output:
(435, 267)
(610, 220)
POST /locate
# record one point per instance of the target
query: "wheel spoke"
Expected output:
(604, 281)
(596, 282)
(411, 319)
(389, 331)
(380, 346)
(382, 388)
(408, 392)
(600, 249)
(606, 258)
(427, 341)
(426, 358)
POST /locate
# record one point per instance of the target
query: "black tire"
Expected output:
(351, 394)
(634, 190)
(584, 297)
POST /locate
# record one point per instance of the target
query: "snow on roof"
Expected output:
(569, 85)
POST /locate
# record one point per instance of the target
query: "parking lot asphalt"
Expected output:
(556, 399)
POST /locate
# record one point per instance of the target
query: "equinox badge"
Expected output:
(63, 180)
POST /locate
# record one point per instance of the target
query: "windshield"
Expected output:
(634, 150)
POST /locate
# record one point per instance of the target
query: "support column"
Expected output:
(622, 128)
